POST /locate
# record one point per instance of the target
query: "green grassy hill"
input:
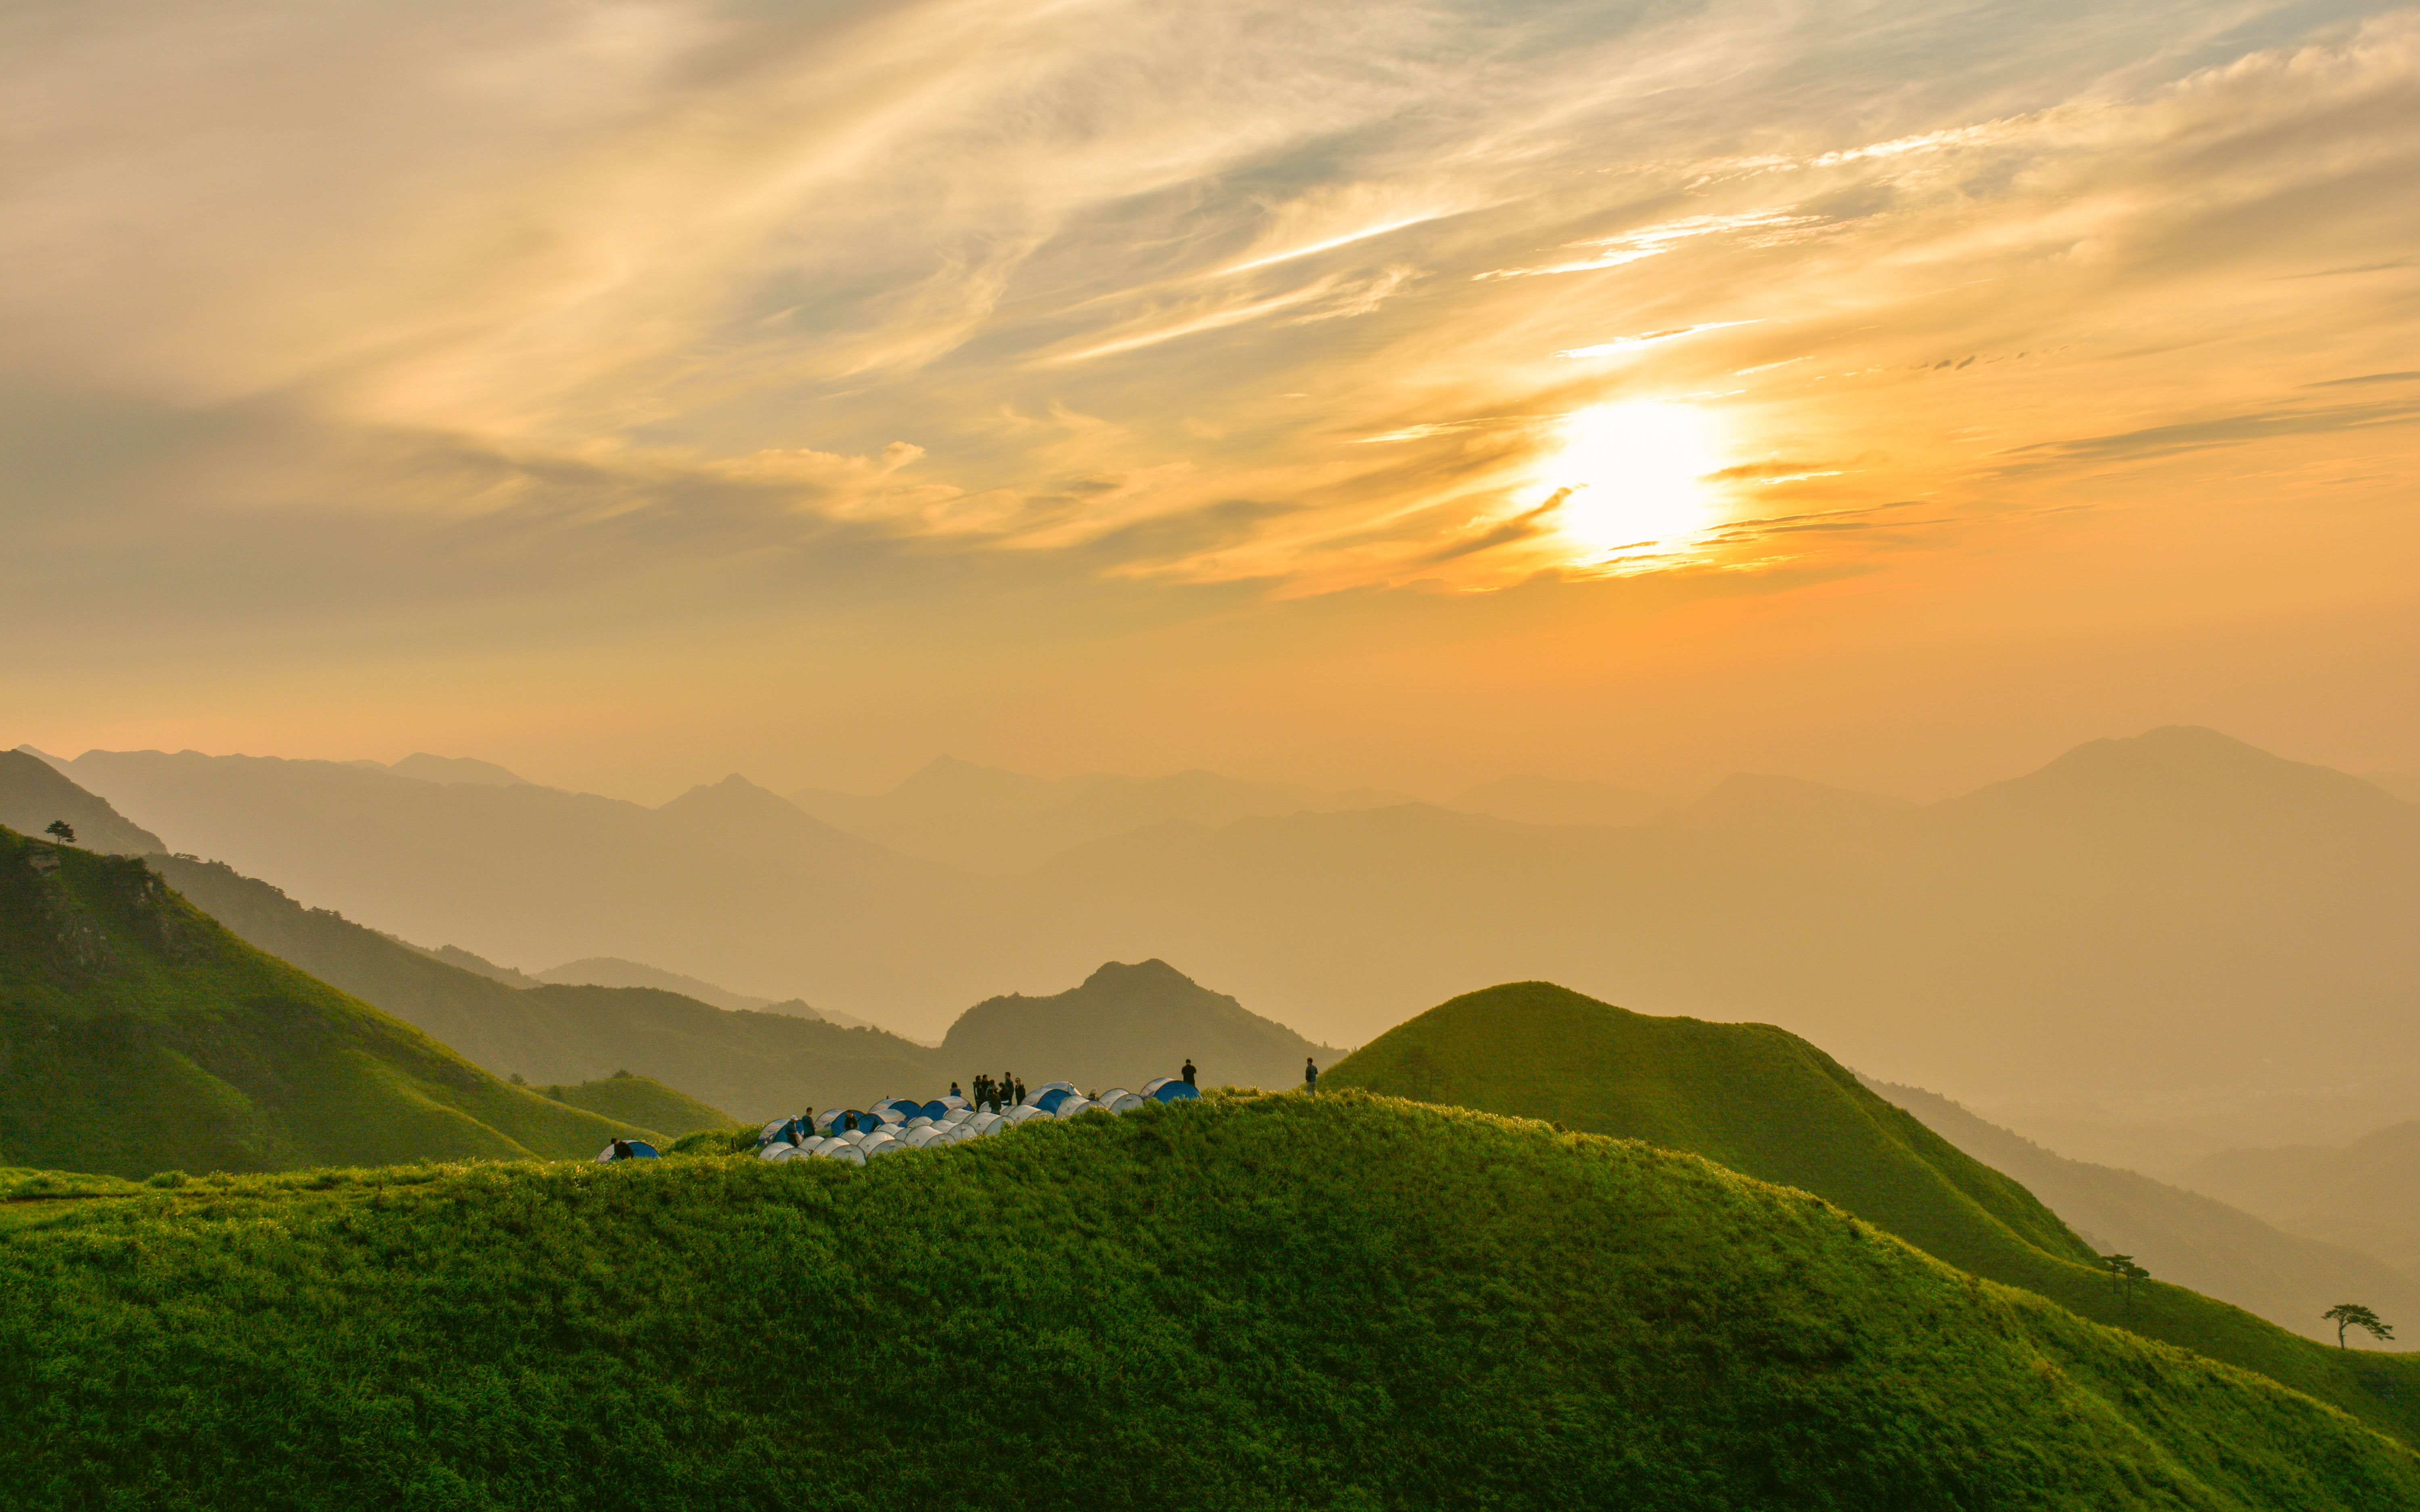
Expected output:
(136, 1036)
(642, 1103)
(1765, 1103)
(1280, 1302)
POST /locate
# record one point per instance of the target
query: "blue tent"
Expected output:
(1175, 1091)
(1049, 1101)
(627, 1150)
(935, 1110)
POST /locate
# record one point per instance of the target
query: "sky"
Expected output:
(1888, 393)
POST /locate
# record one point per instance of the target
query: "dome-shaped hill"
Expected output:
(136, 1036)
(1334, 1302)
(1764, 1102)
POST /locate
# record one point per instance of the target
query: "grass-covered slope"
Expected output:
(136, 1036)
(642, 1103)
(33, 794)
(1765, 1103)
(1343, 1302)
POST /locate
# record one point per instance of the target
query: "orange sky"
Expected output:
(1893, 394)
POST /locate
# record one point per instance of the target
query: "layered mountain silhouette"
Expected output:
(137, 1035)
(2361, 1193)
(1546, 800)
(1771, 1105)
(984, 819)
(1125, 1024)
(2145, 916)
(34, 795)
(2185, 1237)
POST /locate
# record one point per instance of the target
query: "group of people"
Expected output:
(994, 1096)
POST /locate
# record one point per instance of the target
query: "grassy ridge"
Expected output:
(1764, 1102)
(1343, 1302)
(136, 1036)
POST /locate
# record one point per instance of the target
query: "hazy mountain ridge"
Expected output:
(2359, 1194)
(33, 792)
(1123, 1024)
(1115, 1030)
(138, 1035)
(983, 819)
(2016, 941)
(2193, 1240)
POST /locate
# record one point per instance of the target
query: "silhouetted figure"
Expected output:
(954, 1092)
(621, 1150)
(1020, 1091)
(1309, 1075)
(1188, 1071)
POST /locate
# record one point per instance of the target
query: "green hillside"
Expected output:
(1765, 1103)
(758, 1065)
(138, 1036)
(641, 1102)
(1279, 1302)
(33, 794)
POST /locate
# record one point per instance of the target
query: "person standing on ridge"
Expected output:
(1018, 1086)
(954, 1092)
(1309, 1075)
(1187, 1073)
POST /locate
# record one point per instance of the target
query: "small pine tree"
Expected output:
(60, 830)
(2352, 1314)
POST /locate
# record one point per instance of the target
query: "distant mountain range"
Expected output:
(1125, 1023)
(2361, 1193)
(1766, 1104)
(2185, 1237)
(2148, 916)
(983, 819)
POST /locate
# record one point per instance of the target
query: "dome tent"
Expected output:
(1173, 1090)
(845, 1154)
(1118, 1099)
(627, 1150)
(1073, 1103)
(1049, 1102)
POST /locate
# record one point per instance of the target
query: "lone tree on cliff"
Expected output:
(2352, 1314)
(60, 830)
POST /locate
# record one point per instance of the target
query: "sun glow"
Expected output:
(1635, 472)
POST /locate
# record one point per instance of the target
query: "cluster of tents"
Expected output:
(856, 1135)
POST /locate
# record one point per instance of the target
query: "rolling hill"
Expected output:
(136, 1035)
(2193, 1240)
(1769, 1104)
(1342, 1301)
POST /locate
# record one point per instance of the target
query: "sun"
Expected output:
(1635, 471)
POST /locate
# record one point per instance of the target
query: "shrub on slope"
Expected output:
(1342, 1301)
(136, 1035)
(1764, 1102)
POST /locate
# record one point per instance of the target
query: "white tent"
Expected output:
(1118, 1099)
(1079, 1103)
(845, 1154)
(776, 1151)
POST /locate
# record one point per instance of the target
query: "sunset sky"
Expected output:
(1889, 394)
